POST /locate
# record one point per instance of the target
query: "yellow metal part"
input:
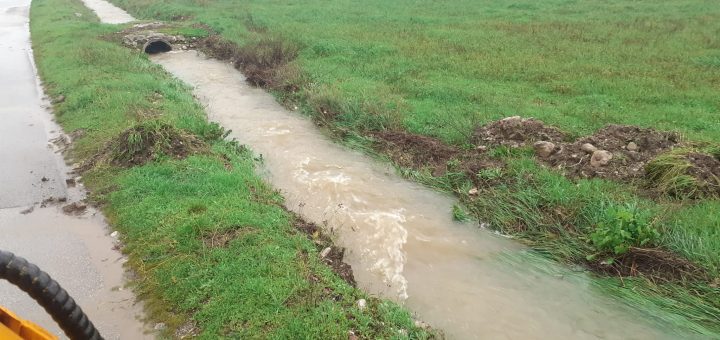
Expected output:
(14, 328)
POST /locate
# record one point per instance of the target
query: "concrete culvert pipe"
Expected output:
(157, 46)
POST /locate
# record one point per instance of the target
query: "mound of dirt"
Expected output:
(655, 264)
(628, 148)
(414, 151)
(516, 131)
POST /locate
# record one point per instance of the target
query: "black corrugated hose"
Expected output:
(48, 293)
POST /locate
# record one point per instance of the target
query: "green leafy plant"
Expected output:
(623, 227)
(490, 174)
(459, 214)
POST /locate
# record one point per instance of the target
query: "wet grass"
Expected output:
(213, 252)
(442, 68)
(448, 65)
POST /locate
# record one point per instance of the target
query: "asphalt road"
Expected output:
(75, 250)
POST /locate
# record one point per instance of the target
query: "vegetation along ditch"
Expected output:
(617, 173)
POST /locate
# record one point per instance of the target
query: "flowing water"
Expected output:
(401, 240)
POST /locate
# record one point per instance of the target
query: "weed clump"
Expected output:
(260, 61)
(145, 142)
(684, 173)
(625, 241)
(265, 63)
(621, 229)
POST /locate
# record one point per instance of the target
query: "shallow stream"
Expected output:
(400, 237)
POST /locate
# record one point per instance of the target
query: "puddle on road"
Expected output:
(402, 242)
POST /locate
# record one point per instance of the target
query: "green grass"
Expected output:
(442, 68)
(210, 244)
(448, 65)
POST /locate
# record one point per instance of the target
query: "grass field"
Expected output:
(446, 66)
(441, 69)
(213, 251)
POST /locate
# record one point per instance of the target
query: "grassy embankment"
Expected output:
(441, 69)
(214, 251)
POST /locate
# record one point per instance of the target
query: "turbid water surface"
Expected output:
(401, 239)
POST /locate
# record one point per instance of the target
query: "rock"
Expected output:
(362, 304)
(114, 234)
(159, 326)
(544, 149)
(324, 253)
(44, 179)
(632, 146)
(600, 158)
(70, 182)
(473, 191)
(512, 119)
(421, 325)
(589, 148)
(481, 148)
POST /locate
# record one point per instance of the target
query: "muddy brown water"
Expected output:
(75, 250)
(402, 242)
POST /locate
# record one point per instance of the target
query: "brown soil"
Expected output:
(414, 151)
(515, 132)
(334, 259)
(655, 264)
(625, 164)
(422, 152)
(706, 170)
